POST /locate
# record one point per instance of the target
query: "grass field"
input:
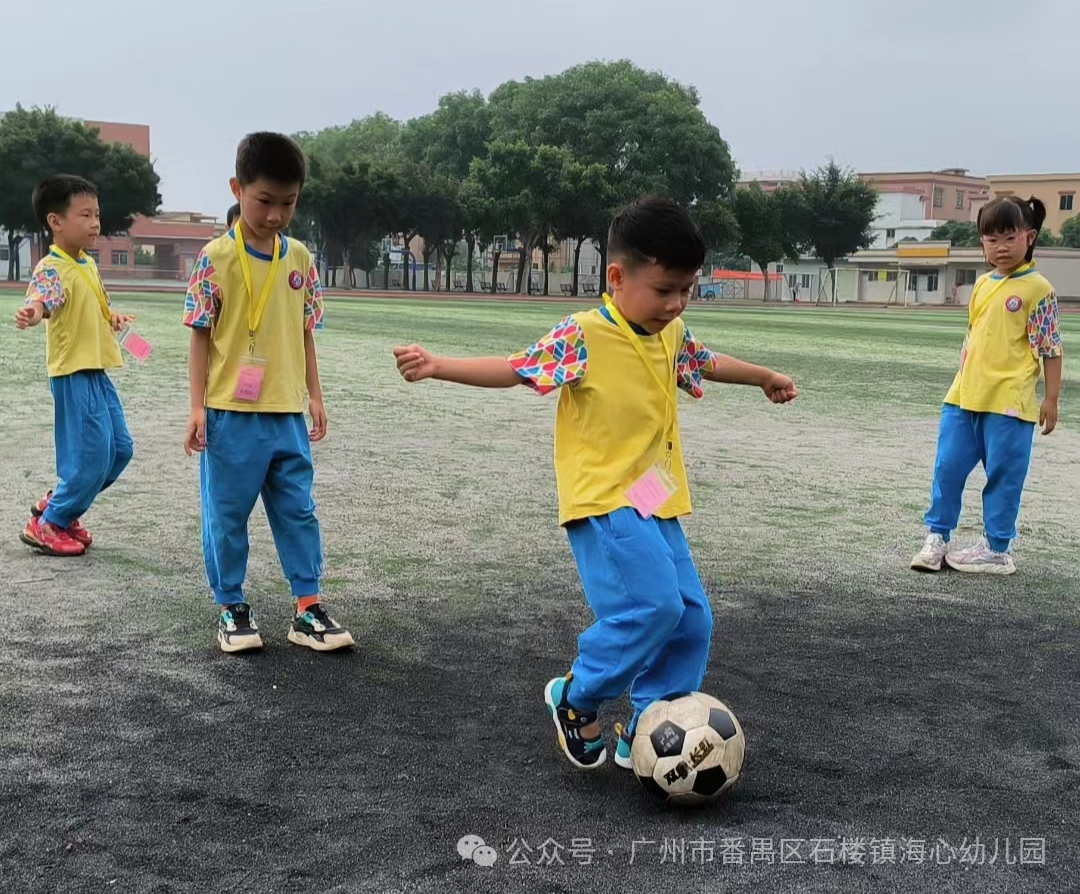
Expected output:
(878, 704)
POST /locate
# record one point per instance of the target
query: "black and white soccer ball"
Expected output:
(688, 750)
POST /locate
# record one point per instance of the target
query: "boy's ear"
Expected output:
(53, 221)
(234, 186)
(615, 275)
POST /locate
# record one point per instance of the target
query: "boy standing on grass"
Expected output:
(91, 436)
(619, 467)
(252, 304)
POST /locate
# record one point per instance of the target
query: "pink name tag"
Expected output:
(651, 491)
(137, 346)
(249, 382)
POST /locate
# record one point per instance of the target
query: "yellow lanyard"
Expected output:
(669, 387)
(255, 310)
(93, 281)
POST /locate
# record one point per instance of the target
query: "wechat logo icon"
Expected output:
(472, 847)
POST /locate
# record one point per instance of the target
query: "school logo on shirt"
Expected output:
(296, 280)
(1013, 304)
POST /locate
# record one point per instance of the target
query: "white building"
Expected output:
(900, 216)
(25, 267)
(915, 274)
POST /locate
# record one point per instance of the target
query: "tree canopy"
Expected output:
(35, 143)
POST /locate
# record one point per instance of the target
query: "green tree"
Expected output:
(832, 213)
(718, 223)
(35, 143)
(1047, 239)
(346, 207)
(961, 233)
(766, 226)
(376, 138)
(1070, 232)
(446, 141)
(507, 177)
(584, 199)
(646, 130)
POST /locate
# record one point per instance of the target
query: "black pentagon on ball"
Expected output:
(667, 739)
(710, 781)
(720, 720)
(653, 787)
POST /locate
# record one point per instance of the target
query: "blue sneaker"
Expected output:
(585, 754)
(623, 749)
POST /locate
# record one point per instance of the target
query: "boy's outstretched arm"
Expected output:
(777, 387)
(415, 364)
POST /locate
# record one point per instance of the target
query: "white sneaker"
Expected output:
(980, 559)
(932, 555)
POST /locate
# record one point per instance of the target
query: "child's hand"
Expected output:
(318, 420)
(414, 363)
(1048, 414)
(120, 321)
(195, 434)
(30, 315)
(780, 388)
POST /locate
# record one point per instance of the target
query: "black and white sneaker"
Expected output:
(237, 630)
(315, 629)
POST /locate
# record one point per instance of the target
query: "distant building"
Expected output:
(916, 273)
(162, 247)
(898, 217)
(769, 181)
(945, 195)
(1059, 192)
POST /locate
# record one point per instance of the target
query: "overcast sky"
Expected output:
(989, 85)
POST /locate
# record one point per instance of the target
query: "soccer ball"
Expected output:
(688, 750)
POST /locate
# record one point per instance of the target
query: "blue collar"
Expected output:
(79, 260)
(1026, 270)
(634, 326)
(263, 256)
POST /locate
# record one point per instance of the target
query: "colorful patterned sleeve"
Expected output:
(695, 362)
(1042, 327)
(313, 300)
(45, 286)
(558, 359)
(203, 300)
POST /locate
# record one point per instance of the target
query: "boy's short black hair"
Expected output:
(233, 215)
(656, 230)
(1006, 214)
(270, 156)
(53, 195)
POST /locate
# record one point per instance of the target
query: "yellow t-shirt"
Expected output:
(1012, 325)
(612, 414)
(79, 337)
(217, 298)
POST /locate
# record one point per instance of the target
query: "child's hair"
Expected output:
(1006, 214)
(53, 195)
(270, 156)
(656, 230)
(233, 215)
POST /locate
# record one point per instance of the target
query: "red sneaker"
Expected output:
(50, 540)
(75, 530)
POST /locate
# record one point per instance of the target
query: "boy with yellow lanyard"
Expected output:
(619, 467)
(91, 436)
(252, 304)
(990, 412)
